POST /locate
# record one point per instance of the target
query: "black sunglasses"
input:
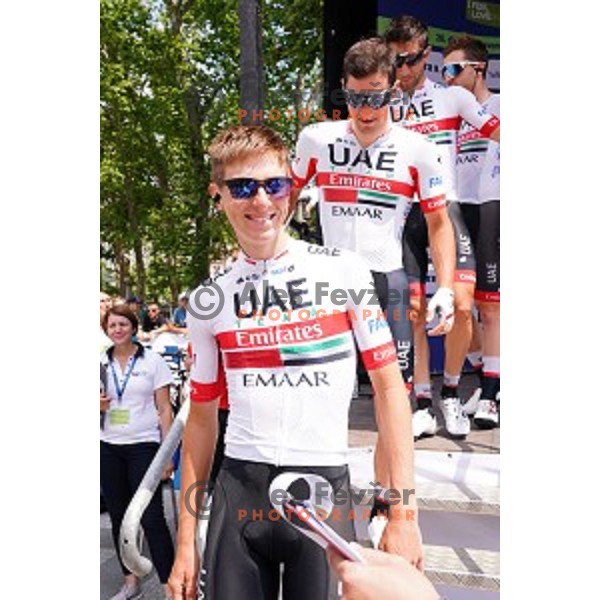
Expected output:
(373, 100)
(244, 188)
(409, 59)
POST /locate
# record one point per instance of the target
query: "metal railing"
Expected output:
(131, 552)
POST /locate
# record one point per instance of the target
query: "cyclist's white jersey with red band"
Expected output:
(365, 193)
(474, 150)
(437, 112)
(290, 374)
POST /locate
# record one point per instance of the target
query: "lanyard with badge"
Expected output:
(120, 416)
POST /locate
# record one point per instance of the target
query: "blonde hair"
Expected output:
(242, 141)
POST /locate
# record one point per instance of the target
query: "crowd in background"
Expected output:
(153, 317)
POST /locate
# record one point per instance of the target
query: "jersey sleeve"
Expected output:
(428, 177)
(162, 374)
(474, 113)
(304, 165)
(369, 325)
(489, 181)
(206, 377)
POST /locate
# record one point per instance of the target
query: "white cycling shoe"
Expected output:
(457, 422)
(128, 592)
(424, 423)
(486, 416)
(470, 406)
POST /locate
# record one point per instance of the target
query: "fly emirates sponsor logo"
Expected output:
(359, 182)
(274, 336)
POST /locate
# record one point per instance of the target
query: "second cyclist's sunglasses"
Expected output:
(373, 100)
(244, 188)
(452, 70)
(409, 59)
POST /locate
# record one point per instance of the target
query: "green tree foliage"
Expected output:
(169, 80)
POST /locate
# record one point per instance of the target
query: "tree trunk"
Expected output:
(132, 216)
(123, 276)
(298, 93)
(251, 62)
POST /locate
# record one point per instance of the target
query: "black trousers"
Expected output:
(122, 467)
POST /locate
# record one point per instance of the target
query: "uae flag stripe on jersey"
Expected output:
(340, 195)
(257, 359)
(306, 354)
(317, 360)
(377, 199)
(318, 347)
(441, 136)
(473, 146)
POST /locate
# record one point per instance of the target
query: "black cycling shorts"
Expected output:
(247, 545)
(394, 297)
(483, 223)
(415, 241)
(220, 447)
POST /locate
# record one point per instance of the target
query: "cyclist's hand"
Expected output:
(441, 306)
(184, 574)
(404, 538)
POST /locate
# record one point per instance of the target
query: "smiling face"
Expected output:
(119, 329)
(258, 221)
(368, 123)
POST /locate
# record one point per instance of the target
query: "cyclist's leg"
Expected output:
(306, 571)
(476, 346)
(394, 297)
(414, 248)
(488, 296)
(230, 568)
(470, 213)
(459, 338)
(422, 377)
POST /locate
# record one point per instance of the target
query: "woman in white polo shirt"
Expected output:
(138, 416)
